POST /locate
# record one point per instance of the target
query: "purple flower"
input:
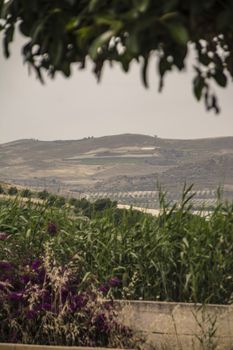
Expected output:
(52, 228)
(77, 302)
(108, 305)
(25, 279)
(46, 297)
(46, 306)
(3, 236)
(13, 336)
(15, 296)
(126, 331)
(31, 314)
(64, 294)
(2, 286)
(100, 322)
(114, 282)
(36, 264)
(41, 275)
(5, 265)
(104, 288)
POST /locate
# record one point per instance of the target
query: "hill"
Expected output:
(117, 163)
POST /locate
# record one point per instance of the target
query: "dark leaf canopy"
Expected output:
(62, 32)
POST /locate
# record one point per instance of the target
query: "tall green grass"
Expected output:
(177, 256)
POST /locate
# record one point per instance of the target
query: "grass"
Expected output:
(177, 256)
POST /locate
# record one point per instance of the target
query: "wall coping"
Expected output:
(12, 346)
(172, 304)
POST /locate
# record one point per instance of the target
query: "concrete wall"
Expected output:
(181, 326)
(169, 326)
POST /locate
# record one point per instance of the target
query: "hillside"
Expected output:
(127, 162)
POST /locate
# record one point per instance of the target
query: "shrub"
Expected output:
(26, 193)
(103, 204)
(60, 202)
(12, 191)
(43, 194)
(73, 201)
(45, 303)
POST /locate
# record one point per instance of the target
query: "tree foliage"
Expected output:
(62, 32)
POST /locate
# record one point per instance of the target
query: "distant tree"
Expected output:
(1, 190)
(52, 199)
(83, 206)
(103, 204)
(60, 201)
(26, 193)
(43, 194)
(12, 191)
(73, 201)
(62, 32)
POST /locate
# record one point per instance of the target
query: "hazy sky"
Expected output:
(78, 107)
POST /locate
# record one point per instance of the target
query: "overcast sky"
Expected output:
(78, 107)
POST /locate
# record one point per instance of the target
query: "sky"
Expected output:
(79, 107)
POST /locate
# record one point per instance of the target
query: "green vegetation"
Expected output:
(177, 256)
(26, 193)
(63, 32)
(47, 296)
(1, 190)
(12, 191)
(44, 302)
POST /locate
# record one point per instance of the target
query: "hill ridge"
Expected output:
(118, 162)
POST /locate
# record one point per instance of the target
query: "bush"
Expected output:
(60, 201)
(43, 194)
(26, 193)
(103, 204)
(45, 303)
(1, 190)
(12, 191)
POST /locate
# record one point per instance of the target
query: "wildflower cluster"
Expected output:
(46, 303)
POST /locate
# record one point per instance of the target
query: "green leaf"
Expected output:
(125, 62)
(86, 277)
(144, 71)
(132, 44)
(220, 78)
(93, 4)
(178, 32)
(100, 41)
(6, 8)
(8, 38)
(66, 69)
(204, 59)
(28, 233)
(186, 243)
(164, 66)
(198, 86)
(109, 21)
(73, 24)
(83, 34)
(141, 5)
(36, 31)
(57, 53)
